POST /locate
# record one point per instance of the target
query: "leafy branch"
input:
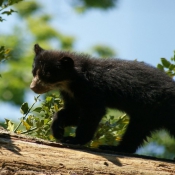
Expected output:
(4, 53)
(25, 110)
(5, 4)
(36, 121)
(168, 66)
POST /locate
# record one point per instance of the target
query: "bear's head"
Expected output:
(51, 69)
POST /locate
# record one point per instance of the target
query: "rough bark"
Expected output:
(25, 155)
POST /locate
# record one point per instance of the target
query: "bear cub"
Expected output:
(89, 85)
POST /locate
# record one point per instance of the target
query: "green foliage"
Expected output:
(17, 70)
(168, 66)
(163, 138)
(110, 130)
(24, 108)
(28, 8)
(36, 122)
(4, 4)
(4, 53)
(103, 51)
(10, 125)
(83, 5)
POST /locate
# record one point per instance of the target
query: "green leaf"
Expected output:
(36, 98)
(171, 67)
(29, 120)
(1, 19)
(95, 144)
(39, 123)
(46, 121)
(27, 126)
(56, 107)
(159, 66)
(1, 2)
(42, 122)
(4, 53)
(24, 108)
(49, 99)
(165, 62)
(10, 125)
(38, 109)
(8, 12)
(13, 2)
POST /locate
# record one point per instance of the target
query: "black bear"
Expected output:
(89, 85)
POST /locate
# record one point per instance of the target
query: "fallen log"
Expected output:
(23, 155)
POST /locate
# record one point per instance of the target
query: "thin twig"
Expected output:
(27, 131)
(27, 113)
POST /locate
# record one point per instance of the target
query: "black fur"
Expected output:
(88, 85)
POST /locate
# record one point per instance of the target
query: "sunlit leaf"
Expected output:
(27, 126)
(118, 139)
(51, 137)
(56, 107)
(95, 144)
(38, 109)
(19, 132)
(49, 99)
(46, 121)
(29, 120)
(10, 125)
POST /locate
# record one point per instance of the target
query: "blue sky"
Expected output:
(143, 30)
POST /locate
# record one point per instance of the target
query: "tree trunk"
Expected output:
(22, 155)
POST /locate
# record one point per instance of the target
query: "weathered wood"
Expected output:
(24, 155)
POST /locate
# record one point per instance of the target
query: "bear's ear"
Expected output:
(37, 49)
(67, 62)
